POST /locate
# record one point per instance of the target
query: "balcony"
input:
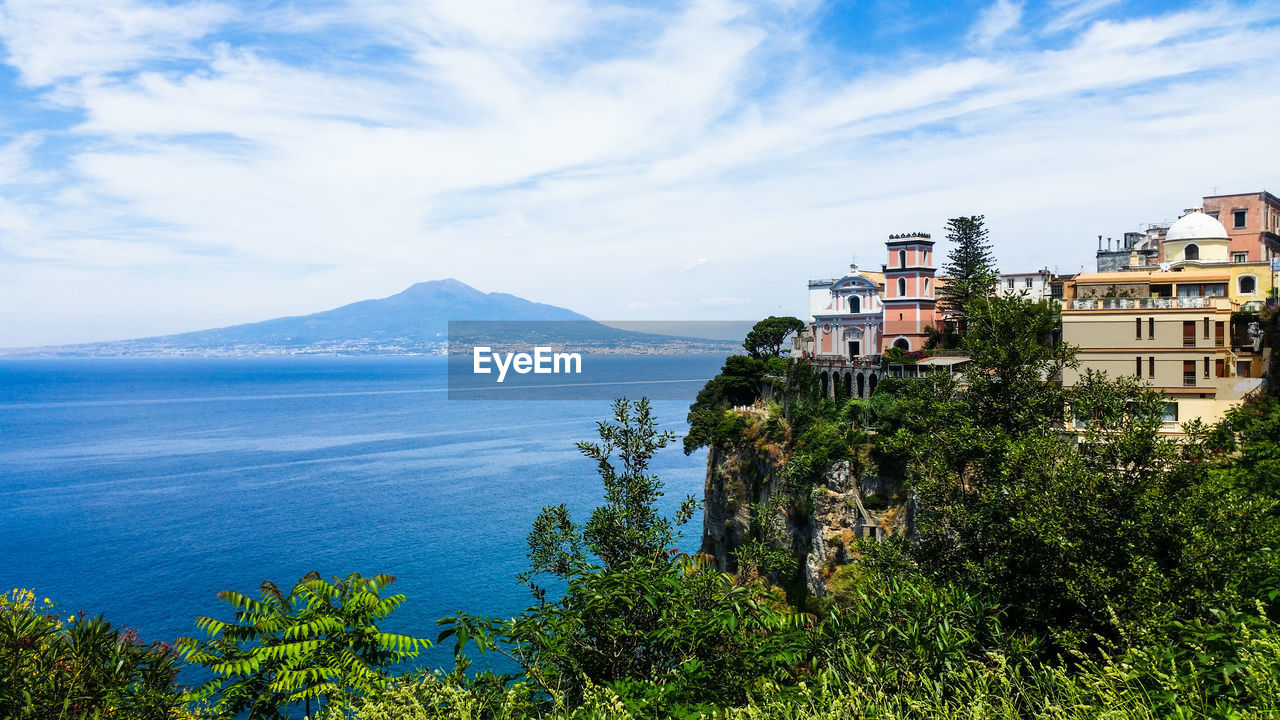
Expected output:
(1188, 379)
(1156, 303)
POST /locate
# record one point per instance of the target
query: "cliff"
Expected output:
(817, 528)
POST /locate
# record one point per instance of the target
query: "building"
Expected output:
(1252, 222)
(1174, 330)
(910, 307)
(1036, 286)
(847, 314)
(1251, 227)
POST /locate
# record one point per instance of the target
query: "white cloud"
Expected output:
(48, 40)
(1072, 13)
(653, 177)
(994, 22)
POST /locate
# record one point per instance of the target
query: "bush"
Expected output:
(81, 667)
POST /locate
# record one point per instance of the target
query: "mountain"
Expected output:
(415, 321)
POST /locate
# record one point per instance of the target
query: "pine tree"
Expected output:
(970, 268)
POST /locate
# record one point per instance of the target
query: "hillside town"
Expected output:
(1174, 305)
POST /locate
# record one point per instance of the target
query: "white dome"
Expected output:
(1196, 226)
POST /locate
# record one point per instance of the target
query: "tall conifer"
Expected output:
(970, 267)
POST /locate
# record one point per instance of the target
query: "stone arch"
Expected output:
(846, 386)
(871, 386)
(826, 380)
(862, 385)
(902, 344)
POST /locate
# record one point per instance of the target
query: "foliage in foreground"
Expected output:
(320, 642)
(80, 667)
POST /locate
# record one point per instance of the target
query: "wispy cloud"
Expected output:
(994, 22)
(228, 163)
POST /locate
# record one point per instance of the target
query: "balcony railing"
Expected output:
(1189, 379)
(1158, 303)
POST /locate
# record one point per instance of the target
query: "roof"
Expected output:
(1153, 276)
(1196, 225)
(943, 361)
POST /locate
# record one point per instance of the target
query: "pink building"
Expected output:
(846, 315)
(910, 307)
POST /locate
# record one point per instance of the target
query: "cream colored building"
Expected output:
(1171, 329)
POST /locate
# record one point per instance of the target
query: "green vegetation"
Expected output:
(970, 268)
(767, 336)
(1049, 574)
(80, 668)
(319, 642)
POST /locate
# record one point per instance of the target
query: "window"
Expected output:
(1189, 373)
(1248, 284)
(1151, 328)
(1137, 330)
(1151, 367)
(902, 258)
(1192, 252)
(1240, 257)
(1213, 214)
(1206, 328)
(1238, 218)
(1170, 414)
(902, 344)
(1219, 331)
(902, 287)
(1206, 367)
(855, 304)
(1219, 368)
(1028, 282)
(1137, 368)
(1010, 282)
(1188, 333)
(926, 287)
(1242, 368)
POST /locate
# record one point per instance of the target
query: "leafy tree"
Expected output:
(321, 641)
(81, 667)
(1093, 538)
(653, 624)
(739, 383)
(767, 336)
(970, 267)
(628, 526)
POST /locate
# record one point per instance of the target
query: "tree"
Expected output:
(651, 623)
(81, 668)
(970, 268)
(767, 336)
(628, 526)
(321, 641)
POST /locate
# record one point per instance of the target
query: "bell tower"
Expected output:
(909, 301)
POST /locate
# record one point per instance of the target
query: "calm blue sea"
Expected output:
(140, 488)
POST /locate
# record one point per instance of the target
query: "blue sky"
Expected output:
(170, 166)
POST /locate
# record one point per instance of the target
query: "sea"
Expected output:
(140, 488)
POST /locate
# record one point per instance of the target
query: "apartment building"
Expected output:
(1173, 330)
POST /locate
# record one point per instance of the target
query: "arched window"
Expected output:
(855, 304)
(902, 344)
(926, 287)
(902, 258)
(902, 287)
(1192, 252)
(1248, 284)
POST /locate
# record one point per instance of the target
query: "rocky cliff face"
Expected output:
(818, 533)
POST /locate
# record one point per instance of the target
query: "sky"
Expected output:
(174, 166)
